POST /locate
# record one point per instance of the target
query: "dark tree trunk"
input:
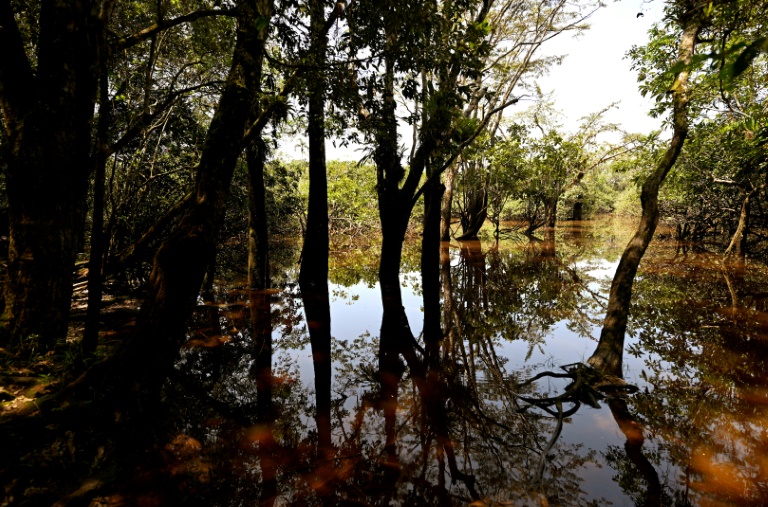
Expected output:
(430, 269)
(98, 239)
(608, 357)
(550, 212)
(47, 114)
(578, 209)
(182, 259)
(258, 236)
(313, 278)
(395, 206)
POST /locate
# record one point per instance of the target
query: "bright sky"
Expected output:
(593, 75)
(595, 72)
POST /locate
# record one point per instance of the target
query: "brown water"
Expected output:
(466, 431)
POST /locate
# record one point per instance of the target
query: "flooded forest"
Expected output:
(284, 252)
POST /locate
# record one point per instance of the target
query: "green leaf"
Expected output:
(744, 60)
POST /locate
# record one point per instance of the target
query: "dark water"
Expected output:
(466, 430)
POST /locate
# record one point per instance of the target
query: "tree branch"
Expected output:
(460, 148)
(153, 233)
(146, 119)
(129, 41)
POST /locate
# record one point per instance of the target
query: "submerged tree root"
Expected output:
(588, 386)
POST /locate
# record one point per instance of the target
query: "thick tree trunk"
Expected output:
(48, 117)
(608, 357)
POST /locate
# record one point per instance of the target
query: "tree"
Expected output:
(690, 19)
(48, 104)
(419, 50)
(182, 259)
(48, 97)
(313, 277)
(518, 30)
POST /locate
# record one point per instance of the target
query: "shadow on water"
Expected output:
(504, 412)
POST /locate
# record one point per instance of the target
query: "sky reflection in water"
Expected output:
(694, 434)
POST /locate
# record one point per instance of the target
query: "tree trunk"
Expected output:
(313, 278)
(550, 213)
(445, 223)
(258, 247)
(98, 239)
(395, 207)
(739, 239)
(181, 260)
(48, 114)
(430, 270)
(608, 357)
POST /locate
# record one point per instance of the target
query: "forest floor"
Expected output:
(53, 441)
(23, 380)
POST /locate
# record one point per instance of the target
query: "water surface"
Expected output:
(469, 429)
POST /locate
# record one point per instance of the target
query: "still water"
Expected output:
(485, 422)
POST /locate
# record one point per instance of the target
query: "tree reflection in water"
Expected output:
(485, 421)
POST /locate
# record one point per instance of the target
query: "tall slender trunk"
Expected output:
(430, 269)
(96, 258)
(313, 278)
(738, 242)
(258, 236)
(608, 357)
(395, 207)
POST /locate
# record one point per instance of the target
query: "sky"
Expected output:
(595, 72)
